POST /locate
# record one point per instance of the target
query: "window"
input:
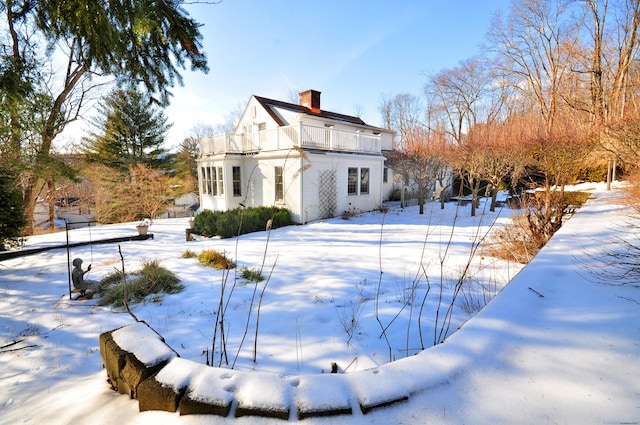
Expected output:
(385, 173)
(237, 182)
(220, 182)
(352, 181)
(206, 180)
(279, 184)
(358, 181)
(212, 181)
(364, 181)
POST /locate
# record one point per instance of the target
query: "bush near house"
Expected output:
(240, 221)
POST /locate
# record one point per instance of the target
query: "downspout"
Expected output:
(381, 183)
(302, 209)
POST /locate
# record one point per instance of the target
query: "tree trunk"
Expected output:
(474, 196)
(50, 129)
(494, 198)
(28, 206)
(51, 200)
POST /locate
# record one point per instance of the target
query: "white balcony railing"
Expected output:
(300, 136)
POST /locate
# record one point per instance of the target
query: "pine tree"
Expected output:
(12, 217)
(130, 131)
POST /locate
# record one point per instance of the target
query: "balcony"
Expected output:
(295, 136)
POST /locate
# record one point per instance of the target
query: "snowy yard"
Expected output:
(569, 356)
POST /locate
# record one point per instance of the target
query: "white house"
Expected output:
(318, 164)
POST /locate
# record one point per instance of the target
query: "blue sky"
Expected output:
(354, 52)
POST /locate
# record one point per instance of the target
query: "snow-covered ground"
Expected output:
(569, 356)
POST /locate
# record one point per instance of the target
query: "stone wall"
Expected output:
(140, 364)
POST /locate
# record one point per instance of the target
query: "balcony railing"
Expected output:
(294, 136)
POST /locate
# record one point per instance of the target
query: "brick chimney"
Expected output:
(310, 99)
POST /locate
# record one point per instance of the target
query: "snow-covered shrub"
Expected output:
(152, 279)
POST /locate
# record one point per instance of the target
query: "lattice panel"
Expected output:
(328, 194)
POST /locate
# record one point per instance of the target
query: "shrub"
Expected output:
(595, 173)
(189, 254)
(227, 224)
(350, 213)
(632, 190)
(152, 279)
(516, 241)
(531, 230)
(562, 199)
(280, 217)
(217, 259)
(205, 223)
(251, 275)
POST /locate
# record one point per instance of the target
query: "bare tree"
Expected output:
(612, 26)
(231, 120)
(468, 162)
(403, 113)
(461, 96)
(625, 140)
(531, 48)
(466, 98)
(420, 162)
(626, 45)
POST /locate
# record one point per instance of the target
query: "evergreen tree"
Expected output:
(186, 166)
(148, 42)
(12, 217)
(130, 131)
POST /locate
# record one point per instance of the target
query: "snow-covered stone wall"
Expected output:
(140, 364)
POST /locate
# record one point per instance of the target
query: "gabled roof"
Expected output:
(269, 104)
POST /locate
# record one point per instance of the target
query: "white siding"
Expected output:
(253, 115)
(259, 181)
(315, 208)
(288, 116)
